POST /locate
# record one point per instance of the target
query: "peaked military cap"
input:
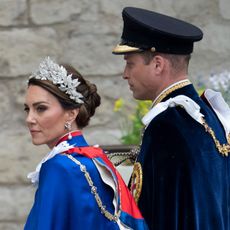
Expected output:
(148, 30)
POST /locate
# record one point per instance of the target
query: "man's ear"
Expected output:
(159, 64)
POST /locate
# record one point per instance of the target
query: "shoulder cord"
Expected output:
(105, 212)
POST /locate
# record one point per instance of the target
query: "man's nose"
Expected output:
(125, 74)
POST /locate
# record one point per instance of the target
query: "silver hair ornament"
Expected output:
(51, 71)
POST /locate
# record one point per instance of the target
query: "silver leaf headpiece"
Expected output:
(51, 71)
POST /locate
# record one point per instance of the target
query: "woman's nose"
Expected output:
(30, 117)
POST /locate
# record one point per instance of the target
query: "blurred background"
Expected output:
(83, 33)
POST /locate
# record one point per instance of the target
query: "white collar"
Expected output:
(191, 107)
(61, 147)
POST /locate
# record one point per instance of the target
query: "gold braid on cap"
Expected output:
(51, 71)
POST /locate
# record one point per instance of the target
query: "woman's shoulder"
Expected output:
(61, 163)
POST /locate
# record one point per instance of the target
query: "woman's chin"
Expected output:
(37, 142)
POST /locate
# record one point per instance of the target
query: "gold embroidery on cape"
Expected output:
(224, 149)
(170, 90)
(136, 181)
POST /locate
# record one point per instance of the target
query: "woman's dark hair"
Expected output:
(89, 91)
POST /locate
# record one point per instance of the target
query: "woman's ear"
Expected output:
(72, 114)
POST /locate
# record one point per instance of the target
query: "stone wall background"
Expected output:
(83, 34)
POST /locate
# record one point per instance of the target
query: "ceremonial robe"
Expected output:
(64, 199)
(186, 181)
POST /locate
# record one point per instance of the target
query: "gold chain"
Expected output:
(106, 213)
(223, 149)
(170, 90)
(123, 156)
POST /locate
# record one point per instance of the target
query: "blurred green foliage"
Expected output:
(131, 124)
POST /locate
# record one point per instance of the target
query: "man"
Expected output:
(181, 179)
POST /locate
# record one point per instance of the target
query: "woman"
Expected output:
(78, 187)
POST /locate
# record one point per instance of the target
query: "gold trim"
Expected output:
(170, 90)
(105, 212)
(122, 49)
(136, 181)
(223, 149)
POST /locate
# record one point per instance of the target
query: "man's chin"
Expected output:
(136, 96)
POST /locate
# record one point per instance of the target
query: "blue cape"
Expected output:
(63, 200)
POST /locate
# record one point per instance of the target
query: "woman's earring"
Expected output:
(68, 127)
